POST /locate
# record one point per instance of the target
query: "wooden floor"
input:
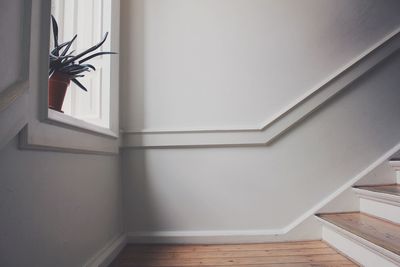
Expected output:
(293, 254)
(382, 233)
(393, 189)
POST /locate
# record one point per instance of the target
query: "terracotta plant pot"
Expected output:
(58, 84)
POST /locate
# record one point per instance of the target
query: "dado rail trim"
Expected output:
(278, 124)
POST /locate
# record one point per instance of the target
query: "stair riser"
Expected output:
(380, 209)
(397, 171)
(396, 167)
(355, 250)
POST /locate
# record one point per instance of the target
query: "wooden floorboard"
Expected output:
(230, 247)
(393, 189)
(382, 233)
(299, 254)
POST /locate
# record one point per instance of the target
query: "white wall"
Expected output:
(216, 64)
(265, 187)
(56, 209)
(10, 52)
(226, 64)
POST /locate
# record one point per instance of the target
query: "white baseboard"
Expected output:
(342, 188)
(251, 236)
(308, 231)
(108, 253)
(202, 237)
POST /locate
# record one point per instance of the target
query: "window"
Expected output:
(47, 129)
(89, 19)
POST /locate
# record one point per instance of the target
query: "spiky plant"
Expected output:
(65, 62)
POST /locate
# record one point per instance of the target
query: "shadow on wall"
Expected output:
(145, 207)
(245, 191)
(225, 188)
(342, 94)
(134, 50)
(201, 65)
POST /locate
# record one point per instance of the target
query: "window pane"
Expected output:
(90, 20)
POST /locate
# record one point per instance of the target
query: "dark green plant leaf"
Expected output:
(55, 32)
(79, 84)
(59, 47)
(88, 50)
(96, 55)
(68, 46)
(77, 72)
(62, 60)
(88, 66)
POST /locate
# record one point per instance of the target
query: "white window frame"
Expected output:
(47, 130)
(100, 122)
(89, 110)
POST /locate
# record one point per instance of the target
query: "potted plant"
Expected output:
(65, 67)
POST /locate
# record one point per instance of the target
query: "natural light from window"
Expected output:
(90, 20)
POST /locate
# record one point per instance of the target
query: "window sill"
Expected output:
(64, 120)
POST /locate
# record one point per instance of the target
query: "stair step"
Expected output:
(395, 163)
(381, 201)
(379, 232)
(393, 189)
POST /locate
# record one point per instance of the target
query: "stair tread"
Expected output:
(379, 232)
(393, 189)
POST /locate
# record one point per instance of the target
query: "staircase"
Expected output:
(371, 236)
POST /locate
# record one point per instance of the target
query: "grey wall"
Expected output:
(265, 188)
(56, 209)
(10, 52)
(221, 64)
(234, 64)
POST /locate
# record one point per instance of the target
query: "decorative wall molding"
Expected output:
(11, 94)
(13, 97)
(260, 235)
(278, 124)
(108, 253)
(21, 84)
